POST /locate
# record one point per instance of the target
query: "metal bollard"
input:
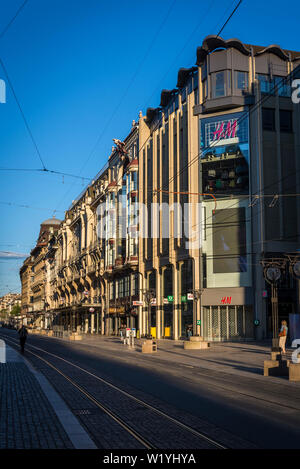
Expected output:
(2, 351)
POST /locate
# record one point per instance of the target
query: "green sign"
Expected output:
(198, 322)
(256, 322)
(170, 298)
(183, 298)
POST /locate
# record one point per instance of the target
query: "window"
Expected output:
(286, 121)
(121, 288)
(282, 86)
(195, 80)
(220, 83)
(266, 85)
(135, 285)
(204, 85)
(126, 286)
(241, 80)
(183, 95)
(268, 119)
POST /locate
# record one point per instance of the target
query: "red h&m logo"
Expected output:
(225, 132)
(226, 300)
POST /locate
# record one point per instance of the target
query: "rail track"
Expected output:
(166, 424)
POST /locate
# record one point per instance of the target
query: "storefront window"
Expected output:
(225, 154)
(222, 323)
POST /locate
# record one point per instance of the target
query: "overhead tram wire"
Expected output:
(22, 114)
(44, 169)
(228, 19)
(126, 91)
(152, 94)
(262, 99)
(4, 30)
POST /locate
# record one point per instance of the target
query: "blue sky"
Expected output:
(82, 71)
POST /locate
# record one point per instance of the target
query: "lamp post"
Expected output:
(294, 268)
(273, 269)
(197, 295)
(148, 296)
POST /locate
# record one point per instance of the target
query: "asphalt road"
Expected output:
(261, 411)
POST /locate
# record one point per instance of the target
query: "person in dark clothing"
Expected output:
(23, 336)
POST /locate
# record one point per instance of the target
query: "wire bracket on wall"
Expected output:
(274, 201)
(253, 201)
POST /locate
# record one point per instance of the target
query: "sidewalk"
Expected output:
(32, 414)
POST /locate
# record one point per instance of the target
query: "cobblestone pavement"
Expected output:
(27, 420)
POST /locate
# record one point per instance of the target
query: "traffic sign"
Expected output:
(198, 322)
(170, 298)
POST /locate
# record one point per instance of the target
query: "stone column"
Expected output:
(176, 301)
(92, 323)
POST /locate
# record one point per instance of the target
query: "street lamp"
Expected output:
(197, 294)
(273, 269)
(149, 295)
(294, 268)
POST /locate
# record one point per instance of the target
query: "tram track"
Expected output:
(163, 420)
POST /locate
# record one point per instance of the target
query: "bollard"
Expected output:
(2, 352)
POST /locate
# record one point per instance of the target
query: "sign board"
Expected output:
(117, 309)
(153, 301)
(170, 298)
(137, 303)
(166, 301)
(190, 296)
(226, 300)
(183, 298)
(198, 322)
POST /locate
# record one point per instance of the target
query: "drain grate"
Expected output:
(82, 412)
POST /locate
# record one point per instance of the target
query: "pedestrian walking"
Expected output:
(23, 336)
(283, 335)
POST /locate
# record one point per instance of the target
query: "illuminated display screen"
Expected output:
(225, 154)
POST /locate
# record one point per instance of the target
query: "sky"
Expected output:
(82, 70)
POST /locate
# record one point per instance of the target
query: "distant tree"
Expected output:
(3, 313)
(16, 310)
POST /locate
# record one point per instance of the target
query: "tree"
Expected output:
(16, 310)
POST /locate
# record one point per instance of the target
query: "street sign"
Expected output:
(170, 298)
(198, 322)
(137, 303)
(190, 296)
(183, 298)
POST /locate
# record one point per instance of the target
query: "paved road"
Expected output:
(221, 389)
